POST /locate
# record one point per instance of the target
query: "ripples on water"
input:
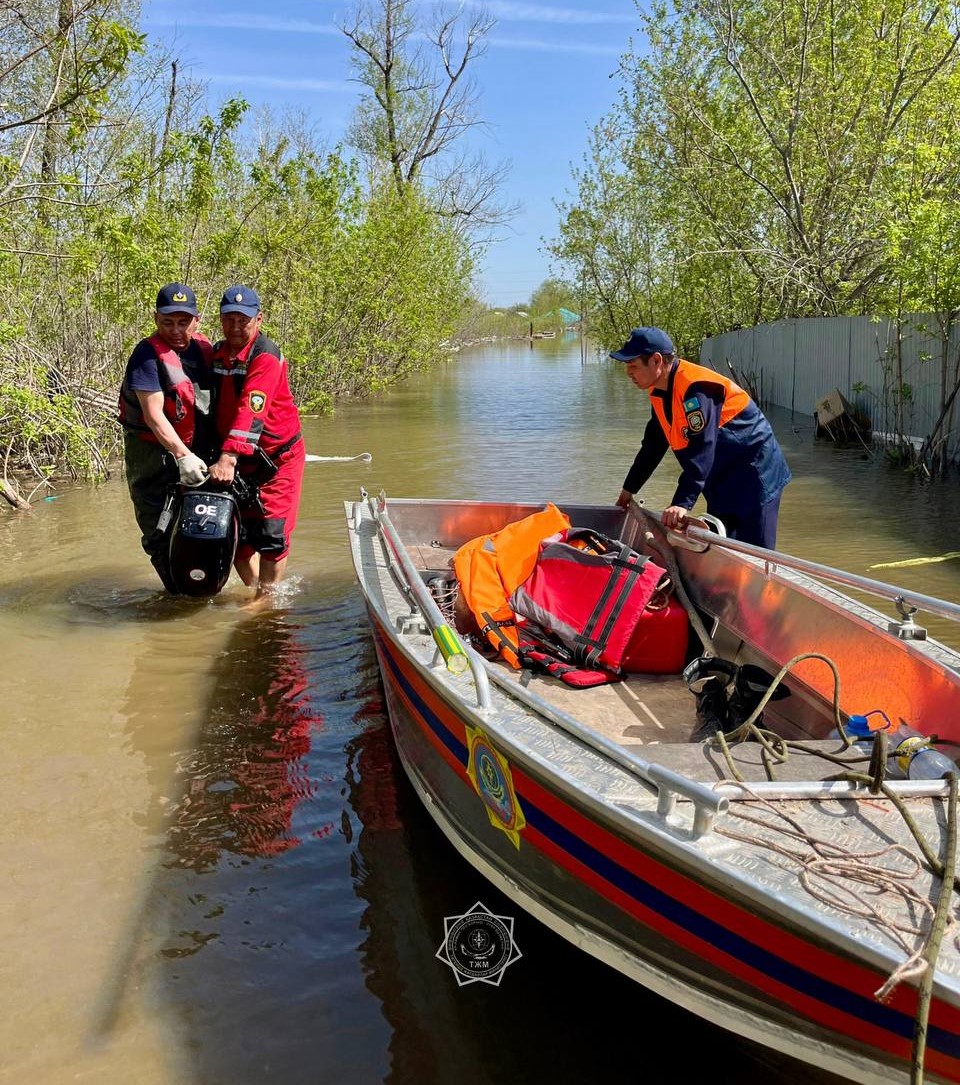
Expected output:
(213, 789)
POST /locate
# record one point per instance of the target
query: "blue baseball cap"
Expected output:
(240, 299)
(644, 341)
(177, 298)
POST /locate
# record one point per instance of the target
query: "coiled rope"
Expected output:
(830, 862)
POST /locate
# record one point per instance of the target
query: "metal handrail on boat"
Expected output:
(668, 783)
(900, 596)
(425, 602)
(709, 801)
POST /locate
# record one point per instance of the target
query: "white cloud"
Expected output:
(245, 22)
(541, 13)
(277, 83)
(503, 9)
(540, 46)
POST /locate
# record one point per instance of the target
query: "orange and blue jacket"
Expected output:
(723, 443)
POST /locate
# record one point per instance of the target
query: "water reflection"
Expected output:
(248, 772)
(257, 924)
(410, 878)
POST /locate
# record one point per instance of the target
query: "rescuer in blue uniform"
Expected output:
(722, 441)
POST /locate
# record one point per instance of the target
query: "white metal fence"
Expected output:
(795, 363)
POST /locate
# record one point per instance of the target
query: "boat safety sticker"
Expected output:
(257, 401)
(489, 772)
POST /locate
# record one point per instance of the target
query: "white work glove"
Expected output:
(193, 471)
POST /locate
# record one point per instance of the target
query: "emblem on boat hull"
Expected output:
(478, 945)
(490, 775)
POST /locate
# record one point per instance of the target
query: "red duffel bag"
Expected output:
(589, 592)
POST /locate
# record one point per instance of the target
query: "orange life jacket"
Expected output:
(678, 430)
(491, 567)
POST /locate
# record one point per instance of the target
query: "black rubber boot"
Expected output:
(707, 679)
(749, 687)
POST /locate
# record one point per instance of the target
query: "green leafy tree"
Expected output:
(362, 280)
(552, 295)
(744, 173)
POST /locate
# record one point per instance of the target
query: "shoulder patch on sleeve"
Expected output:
(257, 401)
(691, 404)
(695, 421)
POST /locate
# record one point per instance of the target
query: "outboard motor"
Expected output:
(203, 541)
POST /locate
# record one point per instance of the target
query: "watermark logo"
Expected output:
(478, 945)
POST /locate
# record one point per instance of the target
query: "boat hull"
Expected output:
(572, 830)
(642, 914)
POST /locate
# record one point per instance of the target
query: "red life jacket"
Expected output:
(590, 599)
(179, 394)
(546, 657)
(658, 645)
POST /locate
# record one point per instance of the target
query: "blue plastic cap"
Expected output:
(857, 725)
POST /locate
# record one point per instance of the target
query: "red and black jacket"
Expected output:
(254, 407)
(179, 392)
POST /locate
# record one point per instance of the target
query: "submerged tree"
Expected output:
(116, 178)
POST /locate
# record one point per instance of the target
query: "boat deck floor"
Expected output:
(653, 716)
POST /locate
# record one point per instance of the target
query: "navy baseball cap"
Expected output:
(240, 299)
(644, 341)
(177, 298)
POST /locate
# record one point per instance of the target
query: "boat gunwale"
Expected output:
(651, 773)
(690, 857)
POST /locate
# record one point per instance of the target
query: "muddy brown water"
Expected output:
(216, 871)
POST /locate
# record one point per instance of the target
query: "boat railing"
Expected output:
(669, 784)
(416, 590)
(907, 602)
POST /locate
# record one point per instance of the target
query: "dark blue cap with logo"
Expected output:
(240, 299)
(642, 342)
(177, 298)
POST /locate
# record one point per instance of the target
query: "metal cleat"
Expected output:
(906, 628)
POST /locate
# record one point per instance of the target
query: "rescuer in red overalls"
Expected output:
(164, 408)
(259, 429)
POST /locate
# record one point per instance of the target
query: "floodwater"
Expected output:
(216, 871)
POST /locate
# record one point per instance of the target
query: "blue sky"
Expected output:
(546, 78)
